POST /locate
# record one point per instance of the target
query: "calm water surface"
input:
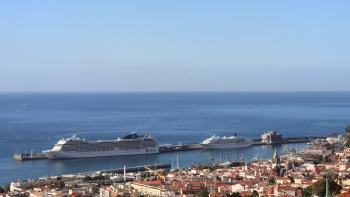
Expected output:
(36, 121)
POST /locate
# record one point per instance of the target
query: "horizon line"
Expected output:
(253, 91)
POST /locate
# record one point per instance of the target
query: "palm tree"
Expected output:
(203, 191)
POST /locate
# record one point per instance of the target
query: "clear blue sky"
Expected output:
(175, 45)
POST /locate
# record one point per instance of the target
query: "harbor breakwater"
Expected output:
(179, 147)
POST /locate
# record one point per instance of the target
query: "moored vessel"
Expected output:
(215, 142)
(75, 147)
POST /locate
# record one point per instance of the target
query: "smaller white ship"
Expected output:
(215, 142)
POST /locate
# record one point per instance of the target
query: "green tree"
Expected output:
(99, 177)
(347, 130)
(96, 191)
(291, 179)
(7, 188)
(235, 164)
(319, 187)
(214, 167)
(203, 191)
(166, 172)
(347, 136)
(346, 141)
(327, 159)
(272, 180)
(28, 186)
(307, 192)
(332, 176)
(2, 190)
(310, 176)
(87, 179)
(106, 182)
(107, 177)
(61, 184)
(254, 194)
(333, 148)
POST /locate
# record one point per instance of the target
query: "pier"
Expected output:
(180, 147)
(163, 148)
(257, 142)
(31, 156)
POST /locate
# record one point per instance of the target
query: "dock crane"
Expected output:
(160, 176)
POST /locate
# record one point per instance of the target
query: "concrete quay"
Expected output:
(119, 170)
(257, 142)
(181, 147)
(32, 156)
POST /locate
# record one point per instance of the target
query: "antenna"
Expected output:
(177, 162)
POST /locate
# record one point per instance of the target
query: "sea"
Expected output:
(36, 121)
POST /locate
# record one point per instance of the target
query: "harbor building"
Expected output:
(271, 137)
(334, 138)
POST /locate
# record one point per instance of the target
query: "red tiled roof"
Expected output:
(173, 185)
(285, 195)
(283, 188)
(343, 195)
(215, 195)
(269, 191)
(245, 193)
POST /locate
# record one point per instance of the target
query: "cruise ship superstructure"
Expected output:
(131, 144)
(215, 142)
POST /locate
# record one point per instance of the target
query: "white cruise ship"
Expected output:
(215, 142)
(74, 147)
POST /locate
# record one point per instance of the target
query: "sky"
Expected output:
(197, 45)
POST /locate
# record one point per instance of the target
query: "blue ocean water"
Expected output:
(36, 121)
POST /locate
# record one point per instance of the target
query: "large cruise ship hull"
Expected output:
(225, 146)
(131, 144)
(53, 154)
